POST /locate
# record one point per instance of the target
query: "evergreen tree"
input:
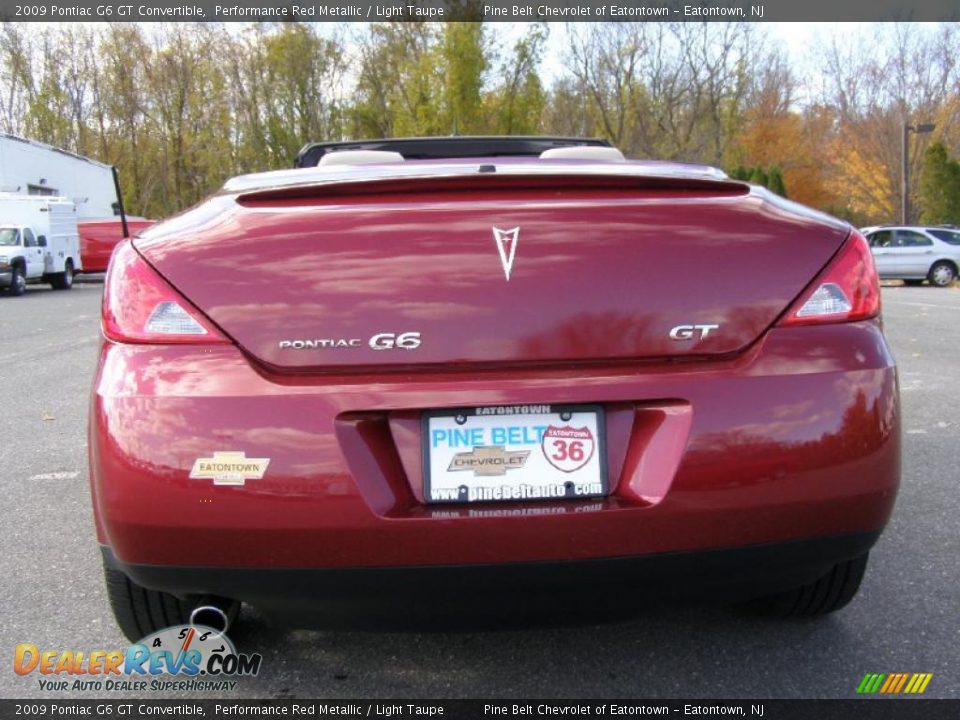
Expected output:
(758, 176)
(463, 54)
(940, 187)
(775, 182)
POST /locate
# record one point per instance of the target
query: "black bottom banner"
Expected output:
(854, 709)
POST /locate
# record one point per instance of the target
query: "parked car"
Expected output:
(915, 254)
(556, 382)
(38, 242)
(98, 238)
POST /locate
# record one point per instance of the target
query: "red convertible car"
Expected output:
(538, 380)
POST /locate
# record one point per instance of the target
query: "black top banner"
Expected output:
(469, 10)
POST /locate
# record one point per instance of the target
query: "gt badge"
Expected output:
(507, 241)
(229, 468)
(692, 332)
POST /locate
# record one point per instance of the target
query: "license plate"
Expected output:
(514, 454)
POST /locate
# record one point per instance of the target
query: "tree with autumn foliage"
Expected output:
(911, 75)
(180, 107)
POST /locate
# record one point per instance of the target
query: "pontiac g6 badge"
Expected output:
(507, 241)
(380, 341)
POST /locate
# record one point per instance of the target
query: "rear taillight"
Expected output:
(847, 289)
(139, 306)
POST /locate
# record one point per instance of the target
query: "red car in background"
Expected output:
(98, 238)
(542, 381)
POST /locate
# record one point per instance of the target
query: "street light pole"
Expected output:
(903, 174)
(904, 158)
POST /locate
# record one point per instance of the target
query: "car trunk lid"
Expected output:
(493, 270)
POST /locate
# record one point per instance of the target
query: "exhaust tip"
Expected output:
(211, 616)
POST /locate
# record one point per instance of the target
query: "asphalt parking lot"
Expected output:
(905, 619)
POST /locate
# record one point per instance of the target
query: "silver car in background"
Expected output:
(915, 254)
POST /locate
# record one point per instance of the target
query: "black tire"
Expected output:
(18, 282)
(826, 595)
(913, 283)
(942, 274)
(64, 280)
(140, 611)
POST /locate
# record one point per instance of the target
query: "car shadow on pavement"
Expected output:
(678, 651)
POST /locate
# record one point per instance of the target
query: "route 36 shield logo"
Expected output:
(568, 448)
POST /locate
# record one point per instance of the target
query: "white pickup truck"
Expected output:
(38, 242)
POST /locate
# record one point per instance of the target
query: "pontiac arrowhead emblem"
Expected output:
(507, 241)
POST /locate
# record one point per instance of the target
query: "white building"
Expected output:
(32, 168)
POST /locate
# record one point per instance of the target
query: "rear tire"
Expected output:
(826, 595)
(18, 282)
(942, 274)
(64, 280)
(140, 611)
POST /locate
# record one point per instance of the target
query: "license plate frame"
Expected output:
(476, 476)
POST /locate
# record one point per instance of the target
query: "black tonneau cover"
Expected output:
(440, 148)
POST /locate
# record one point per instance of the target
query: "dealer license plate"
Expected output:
(514, 454)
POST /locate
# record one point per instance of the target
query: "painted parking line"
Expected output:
(897, 303)
(63, 475)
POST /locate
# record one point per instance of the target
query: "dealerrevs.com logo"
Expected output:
(182, 657)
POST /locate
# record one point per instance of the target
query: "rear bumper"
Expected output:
(452, 595)
(796, 439)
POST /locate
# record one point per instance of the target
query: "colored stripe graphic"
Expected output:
(918, 683)
(903, 680)
(894, 683)
(870, 683)
(892, 680)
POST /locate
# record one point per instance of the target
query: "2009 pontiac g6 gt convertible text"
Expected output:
(557, 383)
